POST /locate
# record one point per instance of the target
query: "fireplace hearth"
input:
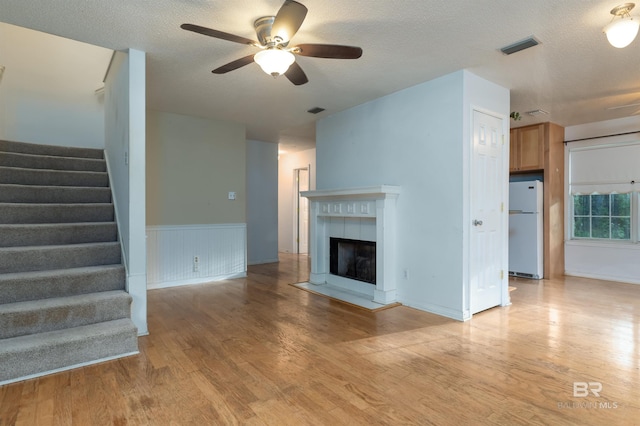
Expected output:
(355, 259)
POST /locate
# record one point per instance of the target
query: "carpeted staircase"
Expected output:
(62, 285)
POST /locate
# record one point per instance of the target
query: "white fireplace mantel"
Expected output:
(373, 204)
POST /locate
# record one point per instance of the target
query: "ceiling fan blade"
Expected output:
(218, 34)
(296, 75)
(332, 51)
(288, 20)
(238, 63)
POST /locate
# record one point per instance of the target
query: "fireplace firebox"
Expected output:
(354, 259)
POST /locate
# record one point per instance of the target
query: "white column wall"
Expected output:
(419, 139)
(125, 123)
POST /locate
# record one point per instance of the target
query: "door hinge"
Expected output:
(502, 139)
(501, 274)
(501, 207)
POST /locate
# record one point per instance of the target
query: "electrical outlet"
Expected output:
(232, 195)
(196, 263)
(405, 274)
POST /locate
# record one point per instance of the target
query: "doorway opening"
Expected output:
(301, 211)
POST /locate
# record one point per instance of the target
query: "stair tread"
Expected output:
(49, 205)
(64, 157)
(79, 333)
(58, 272)
(51, 150)
(51, 162)
(35, 355)
(55, 302)
(45, 284)
(60, 246)
(78, 172)
(58, 187)
(55, 225)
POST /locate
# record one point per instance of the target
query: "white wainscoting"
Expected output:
(221, 249)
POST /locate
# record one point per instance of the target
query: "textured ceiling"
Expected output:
(574, 74)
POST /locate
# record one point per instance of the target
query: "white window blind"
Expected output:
(605, 169)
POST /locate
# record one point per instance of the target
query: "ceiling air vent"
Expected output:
(315, 110)
(520, 45)
(537, 112)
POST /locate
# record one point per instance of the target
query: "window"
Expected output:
(602, 216)
(604, 195)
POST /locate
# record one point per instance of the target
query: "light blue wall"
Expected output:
(262, 202)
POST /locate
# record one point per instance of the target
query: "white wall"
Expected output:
(262, 202)
(418, 139)
(592, 259)
(125, 119)
(47, 94)
(286, 194)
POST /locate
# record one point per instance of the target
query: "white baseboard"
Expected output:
(262, 262)
(602, 277)
(436, 309)
(195, 281)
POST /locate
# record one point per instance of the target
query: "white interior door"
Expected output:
(488, 229)
(303, 212)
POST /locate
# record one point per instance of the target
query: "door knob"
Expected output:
(477, 222)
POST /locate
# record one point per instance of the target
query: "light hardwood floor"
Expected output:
(259, 351)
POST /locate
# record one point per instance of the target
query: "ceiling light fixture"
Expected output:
(623, 31)
(274, 62)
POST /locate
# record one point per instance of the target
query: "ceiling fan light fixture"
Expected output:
(623, 31)
(274, 62)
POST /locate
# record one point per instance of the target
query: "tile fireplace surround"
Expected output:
(367, 214)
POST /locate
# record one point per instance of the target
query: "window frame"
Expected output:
(633, 218)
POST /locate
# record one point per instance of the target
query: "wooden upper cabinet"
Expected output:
(527, 148)
(540, 148)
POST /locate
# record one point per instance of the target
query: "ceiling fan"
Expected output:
(274, 34)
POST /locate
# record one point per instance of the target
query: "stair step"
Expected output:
(63, 299)
(33, 285)
(18, 213)
(10, 193)
(19, 235)
(32, 355)
(20, 176)
(41, 316)
(42, 258)
(62, 151)
(33, 161)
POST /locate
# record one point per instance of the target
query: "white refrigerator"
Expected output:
(525, 229)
